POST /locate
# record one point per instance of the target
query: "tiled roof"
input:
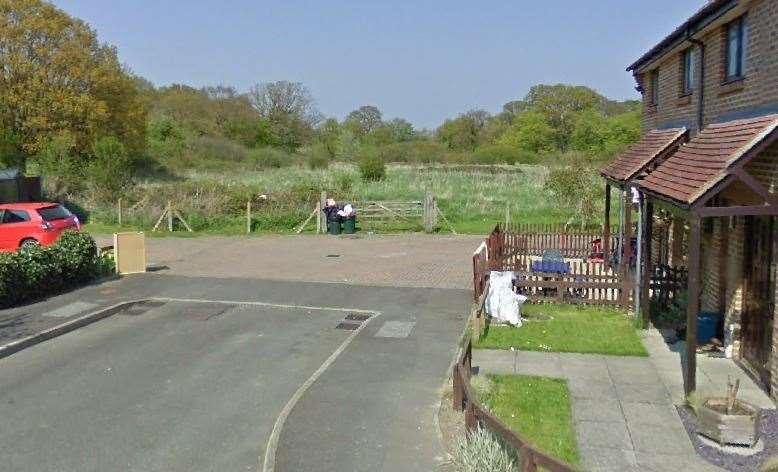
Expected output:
(704, 161)
(627, 165)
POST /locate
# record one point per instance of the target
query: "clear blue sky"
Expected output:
(421, 60)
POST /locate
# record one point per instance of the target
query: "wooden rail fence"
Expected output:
(509, 240)
(531, 458)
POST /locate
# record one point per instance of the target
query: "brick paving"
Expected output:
(412, 260)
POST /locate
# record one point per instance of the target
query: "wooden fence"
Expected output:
(509, 240)
(666, 283)
(531, 458)
(480, 271)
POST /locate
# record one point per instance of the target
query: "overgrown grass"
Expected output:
(538, 408)
(473, 198)
(570, 328)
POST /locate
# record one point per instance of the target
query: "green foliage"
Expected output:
(57, 78)
(270, 158)
(674, 315)
(40, 271)
(371, 165)
(318, 157)
(63, 167)
(531, 132)
(504, 154)
(110, 170)
(578, 187)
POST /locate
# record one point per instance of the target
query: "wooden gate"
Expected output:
(758, 299)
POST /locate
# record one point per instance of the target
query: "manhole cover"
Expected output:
(356, 317)
(347, 326)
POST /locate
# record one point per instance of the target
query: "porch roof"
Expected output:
(711, 158)
(640, 155)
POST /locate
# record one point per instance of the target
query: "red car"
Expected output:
(31, 224)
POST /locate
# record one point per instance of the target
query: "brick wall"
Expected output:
(758, 89)
(712, 276)
(733, 291)
(764, 167)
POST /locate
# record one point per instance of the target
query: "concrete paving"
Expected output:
(161, 391)
(623, 415)
(712, 372)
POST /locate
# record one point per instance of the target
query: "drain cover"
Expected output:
(333, 255)
(347, 326)
(356, 317)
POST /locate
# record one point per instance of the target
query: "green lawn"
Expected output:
(538, 408)
(570, 328)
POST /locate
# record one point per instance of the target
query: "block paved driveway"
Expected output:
(237, 351)
(412, 260)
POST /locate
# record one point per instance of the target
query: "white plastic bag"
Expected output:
(502, 304)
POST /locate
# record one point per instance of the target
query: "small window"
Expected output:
(654, 88)
(737, 40)
(54, 213)
(688, 72)
(15, 216)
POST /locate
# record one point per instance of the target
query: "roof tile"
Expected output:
(704, 161)
(627, 165)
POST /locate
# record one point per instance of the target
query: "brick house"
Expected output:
(716, 76)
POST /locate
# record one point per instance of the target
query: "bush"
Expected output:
(371, 165)
(480, 451)
(111, 170)
(270, 158)
(318, 158)
(27, 274)
(502, 154)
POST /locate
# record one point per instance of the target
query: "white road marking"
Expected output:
(272, 305)
(269, 463)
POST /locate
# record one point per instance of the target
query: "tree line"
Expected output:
(69, 109)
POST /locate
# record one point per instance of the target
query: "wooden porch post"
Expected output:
(606, 233)
(627, 249)
(645, 308)
(676, 250)
(693, 305)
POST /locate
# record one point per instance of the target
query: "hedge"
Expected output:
(32, 273)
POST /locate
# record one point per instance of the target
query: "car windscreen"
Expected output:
(54, 213)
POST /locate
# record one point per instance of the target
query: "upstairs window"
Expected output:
(654, 88)
(688, 72)
(737, 40)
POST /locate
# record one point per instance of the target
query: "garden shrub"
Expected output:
(371, 165)
(318, 158)
(31, 273)
(481, 451)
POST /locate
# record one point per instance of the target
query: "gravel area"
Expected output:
(768, 434)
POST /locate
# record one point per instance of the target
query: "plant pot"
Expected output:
(740, 427)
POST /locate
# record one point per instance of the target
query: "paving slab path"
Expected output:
(624, 416)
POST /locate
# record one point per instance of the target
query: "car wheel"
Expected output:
(29, 244)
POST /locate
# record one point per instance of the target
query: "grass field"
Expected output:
(592, 330)
(473, 198)
(538, 408)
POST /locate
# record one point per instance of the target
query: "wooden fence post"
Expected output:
(119, 211)
(169, 216)
(321, 221)
(429, 213)
(457, 388)
(248, 216)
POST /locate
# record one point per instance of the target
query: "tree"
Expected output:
(559, 105)
(530, 132)
(55, 77)
(364, 119)
(329, 134)
(402, 130)
(290, 108)
(465, 132)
